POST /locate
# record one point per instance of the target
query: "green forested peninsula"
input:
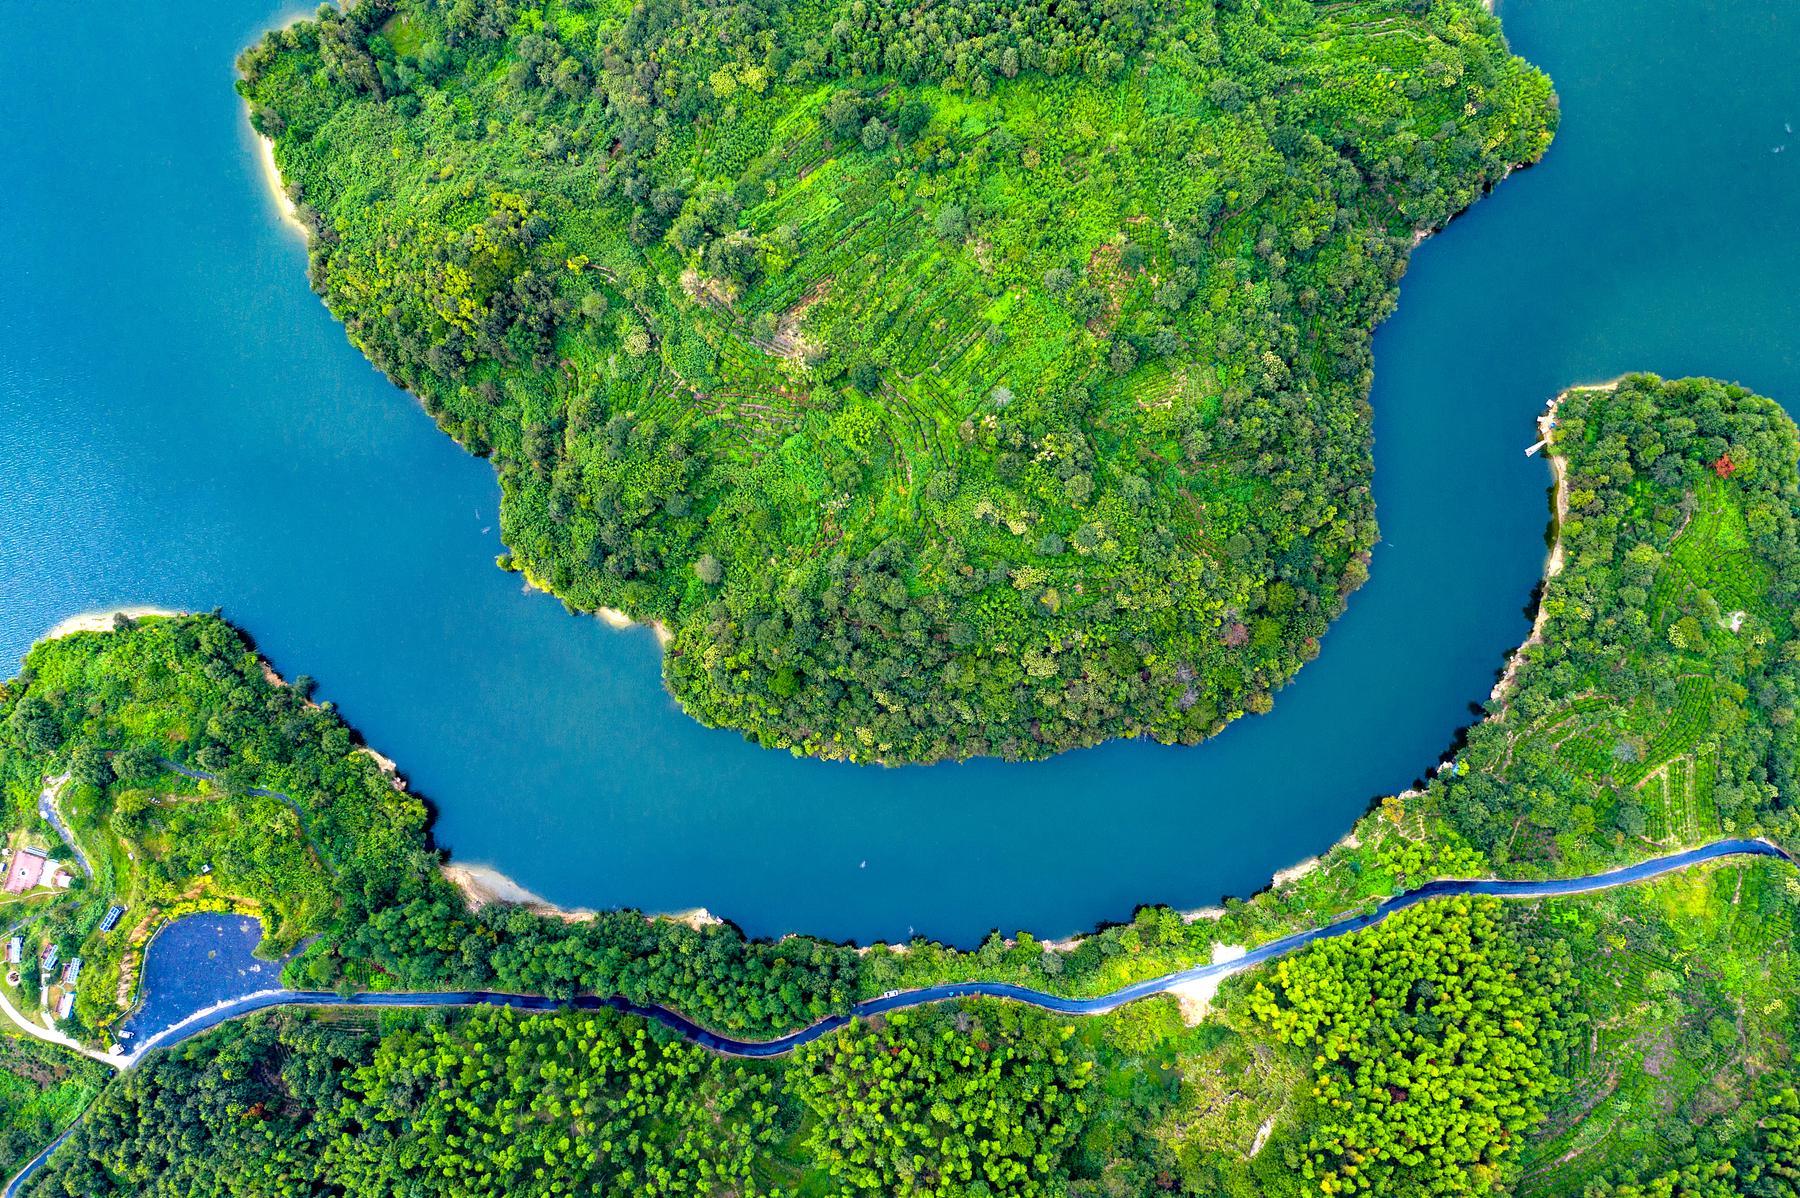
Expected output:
(948, 378)
(1618, 1045)
(1657, 703)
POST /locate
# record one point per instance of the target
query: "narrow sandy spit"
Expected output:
(265, 154)
(102, 621)
(483, 884)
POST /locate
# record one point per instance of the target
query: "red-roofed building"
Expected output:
(27, 870)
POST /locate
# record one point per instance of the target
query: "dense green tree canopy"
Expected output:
(1768, 1166)
(1433, 1037)
(930, 1103)
(980, 1101)
(1659, 705)
(949, 378)
(491, 1106)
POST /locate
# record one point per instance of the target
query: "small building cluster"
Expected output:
(26, 869)
(60, 993)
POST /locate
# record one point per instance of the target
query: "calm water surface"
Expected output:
(181, 423)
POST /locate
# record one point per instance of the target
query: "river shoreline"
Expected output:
(482, 885)
(1193, 988)
(612, 617)
(265, 156)
(1553, 560)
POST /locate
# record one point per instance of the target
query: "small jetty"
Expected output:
(1546, 426)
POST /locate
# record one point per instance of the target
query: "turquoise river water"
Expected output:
(183, 424)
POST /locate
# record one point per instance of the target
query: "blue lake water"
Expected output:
(182, 424)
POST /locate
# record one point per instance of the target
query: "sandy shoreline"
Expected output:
(1553, 562)
(483, 884)
(612, 617)
(1293, 873)
(102, 621)
(617, 620)
(265, 154)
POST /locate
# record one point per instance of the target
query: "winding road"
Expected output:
(293, 804)
(210, 1017)
(200, 1021)
(50, 811)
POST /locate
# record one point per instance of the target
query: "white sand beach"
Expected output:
(102, 621)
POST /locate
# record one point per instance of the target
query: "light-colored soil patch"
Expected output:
(612, 617)
(102, 621)
(1196, 997)
(482, 885)
(1262, 1136)
(899, 950)
(788, 342)
(387, 766)
(707, 290)
(695, 918)
(617, 620)
(1106, 272)
(1294, 873)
